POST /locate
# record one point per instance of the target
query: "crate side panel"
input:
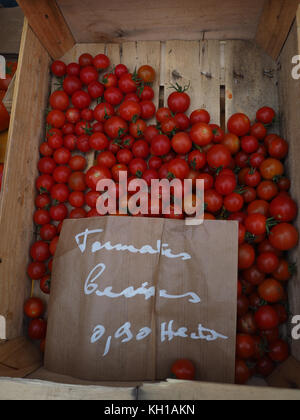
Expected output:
(18, 191)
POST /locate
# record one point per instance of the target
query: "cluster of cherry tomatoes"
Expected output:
(242, 170)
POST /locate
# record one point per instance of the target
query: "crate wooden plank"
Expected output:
(289, 93)
(100, 21)
(20, 171)
(8, 98)
(196, 63)
(11, 26)
(26, 389)
(49, 25)
(275, 23)
(173, 390)
(287, 375)
(250, 79)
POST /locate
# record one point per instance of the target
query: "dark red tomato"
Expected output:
(68, 128)
(267, 262)
(62, 156)
(36, 270)
(116, 171)
(282, 311)
(73, 69)
(266, 318)
(239, 124)
(48, 232)
(284, 184)
(232, 142)
(148, 110)
(178, 168)
(208, 181)
(279, 351)
(242, 160)
(113, 96)
(155, 163)
(78, 213)
(259, 131)
(45, 284)
(59, 100)
(225, 184)
(249, 194)
(218, 156)
(150, 133)
(184, 370)
(101, 62)
(213, 201)
(127, 84)
(249, 144)
(284, 237)
(88, 75)
(110, 80)
(86, 60)
(56, 141)
(41, 217)
(246, 324)
(161, 145)
(130, 110)
(259, 207)
(60, 193)
(46, 150)
(120, 70)
(98, 141)
(141, 149)
(37, 329)
(147, 94)
(72, 85)
(265, 115)
(44, 183)
(96, 90)
(34, 308)
(137, 167)
(81, 99)
(245, 346)
(242, 229)
(179, 102)
(182, 121)
(87, 114)
(56, 119)
(265, 366)
(169, 126)
(233, 202)
(40, 251)
(46, 165)
(91, 198)
(218, 133)
(271, 168)
(58, 68)
(256, 224)
(243, 304)
(149, 175)
(83, 127)
(163, 114)
(182, 143)
(242, 372)
(42, 201)
(78, 163)
(283, 208)
(278, 148)
(98, 127)
(115, 127)
(73, 115)
(267, 190)
(77, 181)
(271, 291)
(252, 177)
(197, 160)
(246, 256)
(284, 271)
(96, 174)
(103, 112)
(107, 159)
(200, 116)
(53, 245)
(124, 156)
(254, 276)
(132, 97)
(270, 335)
(201, 134)
(58, 212)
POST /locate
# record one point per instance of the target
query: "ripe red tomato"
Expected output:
(284, 271)
(242, 372)
(265, 366)
(200, 116)
(249, 144)
(232, 142)
(34, 308)
(265, 115)
(178, 168)
(59, 100)
(201, 134)
(218, 156)
(179, 101)
(45, 284)
(271, 291)
(71, 85)
(182, 143)
(148, 110)
(85, 60)
(36, 270)
(127, 84)
(58, 68)
(81, 99)
(141, 149)
(184, 369)
(120, 70)
(103, 112)
(267, 262)
(137, 167)
(41, 217)
(197, 160)
(98, 141)
(88, 75)
(113, 96)
(101, 62)
(278, 148)
(284, 237)
(163, 114)
(246, 256)
(225, 184)
(266, 318)
(161, 145)
(96, 174)
(279, 351)
(48, 232)
(115, 127)
(182, 121)
(146, 74)
(37, 329)
(259, 131)
(58, 212)
(130, 110)
(256, 224)
(234, 203)
(56, 119)
(73, 69)
(213, 200)
(239, 124)
(283, 208)
(245, 346)
(40, 251)
(271, 168)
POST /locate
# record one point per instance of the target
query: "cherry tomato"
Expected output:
(146, 74)
(184, 369)
(265, 115)
(279, 351)
(101, 62)
(271, 291)
(266, 318)
(201, 134)
(34, 308)
(37, 329)
(284, 237)
(96, 174)
(239, 124)
(182, 143)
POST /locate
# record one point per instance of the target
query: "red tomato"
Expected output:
(284, 237)
(218, 156)
(246, 256)
(85, 60)
(48, 232)
(34, 308)
(81, 99)
(245, 346)
(71, 85)
(239, 124)
(56, 118)
(161, 145)
(141, 149)
(266, 318)
(96, 90)
(115, 127)
(45, 283)
(59, 100)
(127, 84)
(78, 163)
(200, 116)
(58, 68)
(96, 174)
(101, 62)
(36, 270)
(103, 112)
(179, 101)
(40, 251)
(201, 134)
(267, 262)
(271, 291)
(98, 141)
(73, 69)
(37, 329)
(279, 351)
(182, 143)
(113, 96)
(242, 372)
(197, 160)
(147, 74)
(178, 168)
(184, 369)
(107, 159)
(265, 115)
(283, 208)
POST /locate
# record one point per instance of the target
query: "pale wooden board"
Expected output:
(102, 21)
(275, 23)
(20, 171)
(289, 92)
(197, 63)
(173, 390)
(11, 25)
(8, 98)
(250, 79)
(25, 389)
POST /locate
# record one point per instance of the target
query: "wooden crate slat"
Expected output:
(289, 93)
(197, 63)
(286, 375)
(20, 171)
(250, 79)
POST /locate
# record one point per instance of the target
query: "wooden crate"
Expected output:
(234, 61)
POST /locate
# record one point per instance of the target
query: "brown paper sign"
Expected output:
(130, 296)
